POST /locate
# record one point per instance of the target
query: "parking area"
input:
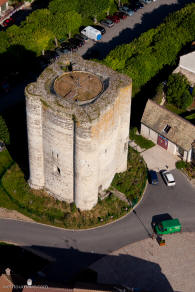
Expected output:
(126, 30)
(158, 158)
(154, 268)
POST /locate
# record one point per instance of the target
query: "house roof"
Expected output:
(187, 62)
(6, 284)
(3, 2)
(156, 117)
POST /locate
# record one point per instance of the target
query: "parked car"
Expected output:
(120, 15)
(168, 178)
(62, 51)
(114, 18)
(168, 227)
(107, 22)
(92, 33)
(146, 1)
(8, 22)
(139, 5)
(152, 177)
(126, 10)
(81, 37)
(100, 28)
(70, 46)
(76, 42)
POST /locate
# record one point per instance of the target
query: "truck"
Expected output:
(168, 226)
(92, 33)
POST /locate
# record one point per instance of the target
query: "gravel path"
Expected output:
(145, 264)
(12, 214)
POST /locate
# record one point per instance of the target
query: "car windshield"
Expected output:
(170, 177)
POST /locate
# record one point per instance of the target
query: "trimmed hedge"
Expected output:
(144, 57)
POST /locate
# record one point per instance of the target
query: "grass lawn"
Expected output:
(17, 259)
(132, 182)
(190, 117)
(38, 205)
(16, 194)
(140, 140)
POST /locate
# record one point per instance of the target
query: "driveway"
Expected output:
(158, 158)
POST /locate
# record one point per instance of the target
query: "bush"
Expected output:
(73, 207)
(4, 132)
(187, 99)
(178, 91)
(180, 164)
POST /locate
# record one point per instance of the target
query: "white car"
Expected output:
(168, 178)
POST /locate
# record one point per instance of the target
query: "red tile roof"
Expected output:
(3, 2)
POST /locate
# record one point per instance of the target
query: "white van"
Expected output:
(92, 33)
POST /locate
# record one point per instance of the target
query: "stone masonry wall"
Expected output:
(76, 150)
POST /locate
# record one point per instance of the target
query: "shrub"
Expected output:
(4, 132)
(180, 164)
(187, 99)
(178, 91)
(73, 207)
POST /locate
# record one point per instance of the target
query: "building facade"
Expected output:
(170, 131)
(78, 129)
(3, 6)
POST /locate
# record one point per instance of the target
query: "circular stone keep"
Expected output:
(78, 86)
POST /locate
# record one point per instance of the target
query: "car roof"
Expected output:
(171, 223)
(169, 176)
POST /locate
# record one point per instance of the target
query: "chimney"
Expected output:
(8, 272)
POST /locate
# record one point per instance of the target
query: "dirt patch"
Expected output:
(78, 86)
(12, 214)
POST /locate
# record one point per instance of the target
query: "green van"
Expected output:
(168, 226)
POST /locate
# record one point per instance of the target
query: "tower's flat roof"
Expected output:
(78, 86)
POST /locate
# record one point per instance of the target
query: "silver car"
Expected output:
(126, 10)
(168, 178)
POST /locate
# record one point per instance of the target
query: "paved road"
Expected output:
(75, 250)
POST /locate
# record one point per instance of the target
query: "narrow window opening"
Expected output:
(58, 170)
(167, 128)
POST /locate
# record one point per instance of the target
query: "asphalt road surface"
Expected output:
(74, 250)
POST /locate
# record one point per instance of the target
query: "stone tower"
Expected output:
(78, 119)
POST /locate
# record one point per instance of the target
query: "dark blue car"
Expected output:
(152, 177)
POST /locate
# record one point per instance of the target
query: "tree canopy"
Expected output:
(177, 92)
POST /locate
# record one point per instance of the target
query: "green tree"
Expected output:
(72, 21)
(61, 6)
(4, 132)
(93, 8)
(176, 86)
(186, 99)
